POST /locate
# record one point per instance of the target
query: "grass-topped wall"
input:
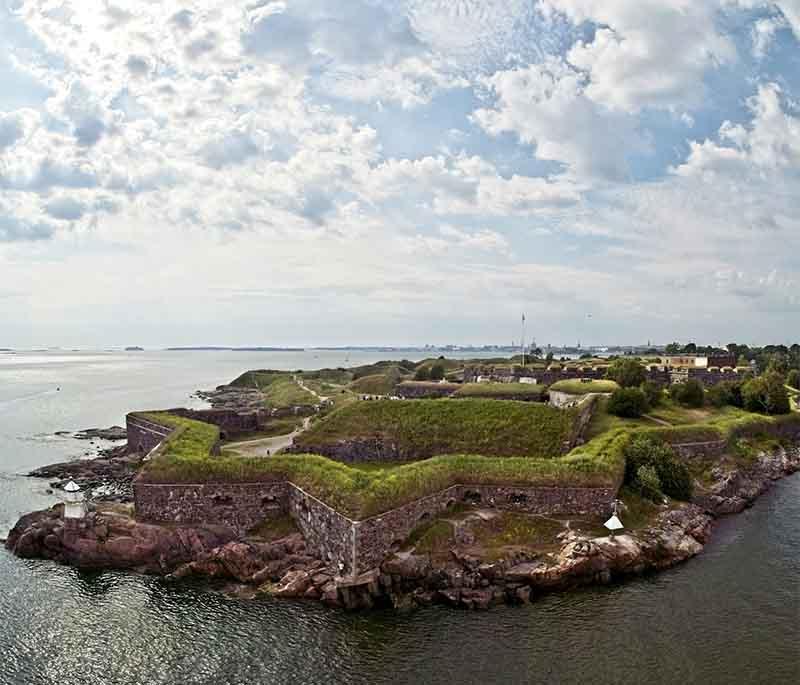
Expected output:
(519, 391)
(576, 386)
(418, 429)
(359, 493)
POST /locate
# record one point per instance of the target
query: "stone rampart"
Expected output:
(144, 435)
(231, 422)
(415, 390)
(375, 537)
(358, 450)
(240, 506)
(327, 532)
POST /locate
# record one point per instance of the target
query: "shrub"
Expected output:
(422, 374)
(648, 483)
(725, 393)
(793, 379)
(437, 372)
(689, 394)
(766, 394)
(629, 403)
(653, 392)
(628, 373)
(672, 473)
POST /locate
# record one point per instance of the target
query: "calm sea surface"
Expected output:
(731, 615)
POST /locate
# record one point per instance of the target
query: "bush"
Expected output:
(628, 373)
(629, 403)
(672, 473)
(689, 394)
(422, 374)
(766, 394)
(648, 483)
(726, 393)
(437, 372)
(653, 392)
(793, 379)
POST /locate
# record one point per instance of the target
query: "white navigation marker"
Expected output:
(73, 501)
(614, 524)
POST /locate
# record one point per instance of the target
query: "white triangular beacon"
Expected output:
(614, 524)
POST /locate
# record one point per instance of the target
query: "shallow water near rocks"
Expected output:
(730, 615)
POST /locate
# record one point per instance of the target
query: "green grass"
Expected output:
(512, 529)
(190, 438)
(577, 387)
(279, 388)
(527, 391)
(376, 384)
(424, 428)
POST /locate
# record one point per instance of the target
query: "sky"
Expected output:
(319, 172)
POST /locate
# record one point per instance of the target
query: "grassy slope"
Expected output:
(279, 388)
(429, 427)
(376, 384)
(577, 387)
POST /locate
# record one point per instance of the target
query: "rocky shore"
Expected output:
(110, 537)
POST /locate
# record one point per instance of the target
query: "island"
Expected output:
(468, 483)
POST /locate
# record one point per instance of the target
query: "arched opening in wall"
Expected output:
(268, 500)
(472, 497)
(424, 517)
(223, 435)
(518, 498)
(396, 546)
(450, 503)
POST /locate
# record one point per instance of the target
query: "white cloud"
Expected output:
(546, 105)
(647, 53)
(771, 142)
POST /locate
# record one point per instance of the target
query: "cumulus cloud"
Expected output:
(647, 53)
(546, 105)
(770, 142)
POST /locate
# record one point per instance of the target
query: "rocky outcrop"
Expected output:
(111, 540)
(108, 477)
(736, 489)
(469, 582)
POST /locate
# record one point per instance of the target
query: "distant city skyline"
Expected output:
(396, 171)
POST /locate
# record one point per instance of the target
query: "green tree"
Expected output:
(629, 403)
(653, 392)
(648, 483)
(726, 393)
(673, 348)
(793, 379)
(437, 372)
(690, 393)
(673, 474)
(628, 373)
(766, 394)
(422, 374)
